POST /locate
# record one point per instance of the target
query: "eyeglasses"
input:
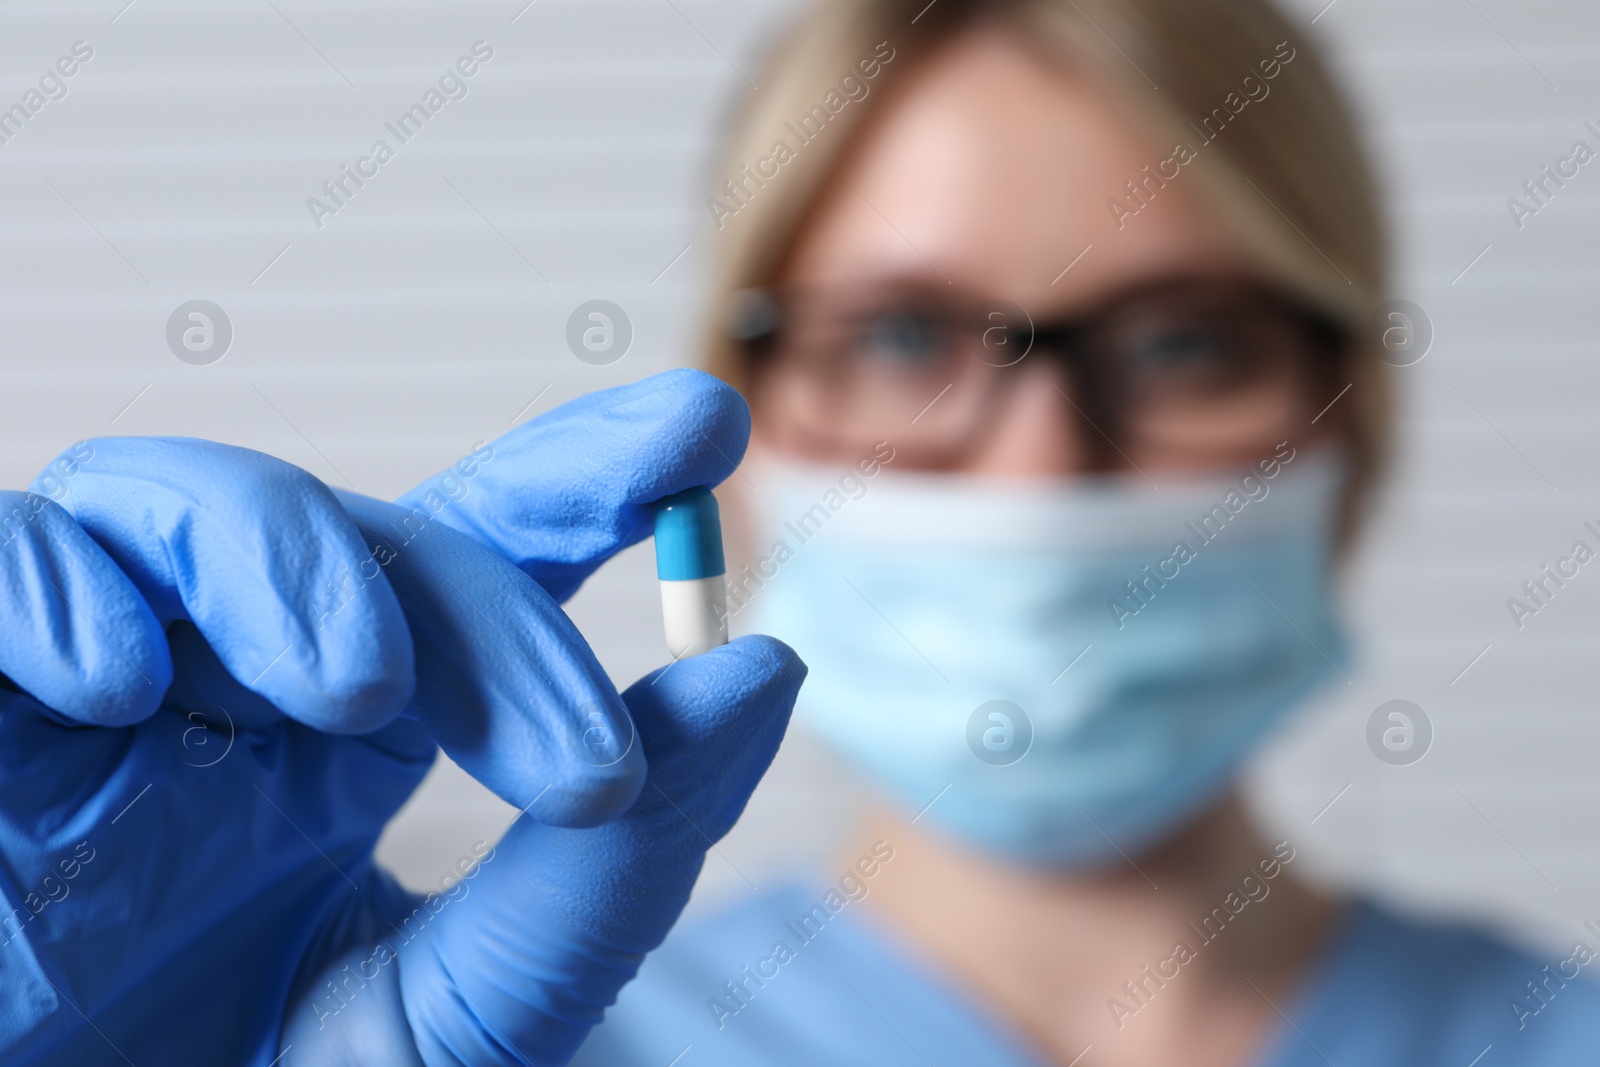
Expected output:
(1200, 366)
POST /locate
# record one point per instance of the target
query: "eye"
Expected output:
(1182, 346)
(1187, 352)
(902, 339)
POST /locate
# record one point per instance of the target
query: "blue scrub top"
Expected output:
(1389, 993)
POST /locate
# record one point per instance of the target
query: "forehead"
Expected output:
(992, 171)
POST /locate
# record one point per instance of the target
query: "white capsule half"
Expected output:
(694, 613)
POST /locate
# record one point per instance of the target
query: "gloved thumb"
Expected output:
(561, 918)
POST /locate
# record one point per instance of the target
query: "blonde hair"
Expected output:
(1289, 177)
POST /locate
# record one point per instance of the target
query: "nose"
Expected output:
(1036, 431)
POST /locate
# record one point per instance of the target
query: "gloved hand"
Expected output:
(175, 870)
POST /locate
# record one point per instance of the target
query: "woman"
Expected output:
(1049, 315)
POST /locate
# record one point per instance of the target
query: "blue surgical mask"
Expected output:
(1059, 672)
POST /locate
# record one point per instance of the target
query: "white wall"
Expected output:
(1495, 478)
(429, 311)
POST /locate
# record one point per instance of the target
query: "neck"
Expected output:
(1179, 953)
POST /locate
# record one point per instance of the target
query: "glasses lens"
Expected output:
(1202, 369)
(1193, 352)
(899, 342)
(847, 373)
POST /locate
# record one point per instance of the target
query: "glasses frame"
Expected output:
(756, 319)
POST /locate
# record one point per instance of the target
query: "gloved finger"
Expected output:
(563, 493)
(259, 555)
(79, 638)
(505, 682)
(562, 918)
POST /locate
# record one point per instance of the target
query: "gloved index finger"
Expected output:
(259, 555)
(563, 493)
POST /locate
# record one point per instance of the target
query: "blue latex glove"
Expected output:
(182, 869)
(570, 489)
